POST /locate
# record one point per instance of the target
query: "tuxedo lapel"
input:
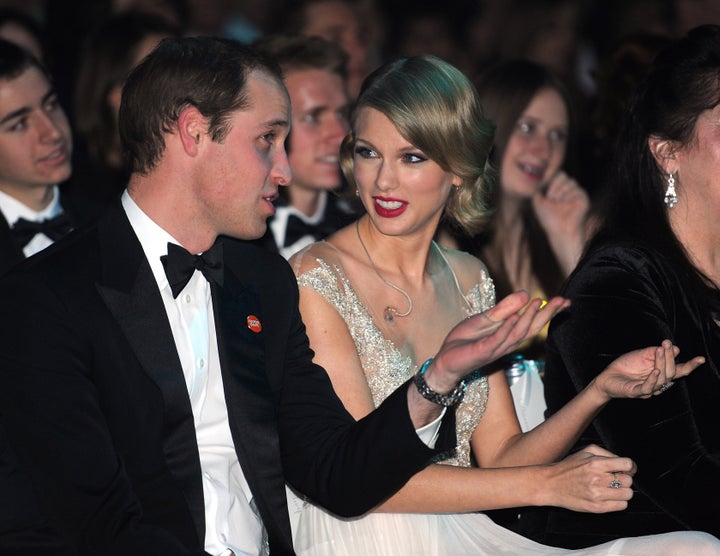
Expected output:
(250, 399)
(130, 292)
(10, 253)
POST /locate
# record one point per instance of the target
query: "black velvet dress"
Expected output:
(627, 295)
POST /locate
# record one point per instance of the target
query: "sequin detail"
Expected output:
(385, 367)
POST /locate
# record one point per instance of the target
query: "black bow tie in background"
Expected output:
(297, 228)
(179, 266)
(54, 228)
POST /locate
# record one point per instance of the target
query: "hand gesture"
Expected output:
(562, 208)
(485, 337)
(592, 480)
(645, 372)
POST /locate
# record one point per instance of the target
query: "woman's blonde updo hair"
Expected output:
(435, 107)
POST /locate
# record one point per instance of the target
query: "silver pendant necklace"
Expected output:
(390, 312)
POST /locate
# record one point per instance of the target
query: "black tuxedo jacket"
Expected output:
(96, 406)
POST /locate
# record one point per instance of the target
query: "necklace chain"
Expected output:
(390, 311)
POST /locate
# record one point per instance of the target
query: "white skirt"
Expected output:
(469, 534)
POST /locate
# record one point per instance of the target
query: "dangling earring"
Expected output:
(357, 192)
(670, 195)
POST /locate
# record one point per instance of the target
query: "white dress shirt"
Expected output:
(278, 225)
(13, 210)
(231, 519)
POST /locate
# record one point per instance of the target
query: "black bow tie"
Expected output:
(179, 266)
(297, 228)
(54, 228)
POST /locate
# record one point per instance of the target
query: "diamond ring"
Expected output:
(665, 387)
(615, 483)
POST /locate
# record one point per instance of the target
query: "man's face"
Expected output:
(35, 137)
(239, 177)
(319, 124)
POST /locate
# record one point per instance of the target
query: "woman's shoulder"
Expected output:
(625, 264)
(468, 269)
(462, 261)
(320, 253)
(329, 254)
(625, 253)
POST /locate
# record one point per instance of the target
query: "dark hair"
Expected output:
(436, 108)
(617, 77)
(298, 52)
(506, 89)
(683, 82)
(15, 60)
(107, 57)
(209, 73)
(10, 16)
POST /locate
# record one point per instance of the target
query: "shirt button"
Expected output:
(200, 363)
(187, 298)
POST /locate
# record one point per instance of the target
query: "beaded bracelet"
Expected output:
(446, 400)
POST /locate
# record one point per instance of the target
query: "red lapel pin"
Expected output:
(253, 323)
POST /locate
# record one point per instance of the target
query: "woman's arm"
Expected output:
(579, 482)
(623, 297)
(497, 441)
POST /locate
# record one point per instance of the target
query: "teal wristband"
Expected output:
(446, 400)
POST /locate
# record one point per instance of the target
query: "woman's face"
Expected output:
(698, 163)
(536, 148)
(402, 189)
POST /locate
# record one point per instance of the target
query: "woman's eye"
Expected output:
(525, 128)
(413, 158)
(364, 152)
(558, 135)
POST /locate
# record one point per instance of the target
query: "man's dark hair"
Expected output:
(14, 60)
(209, 73)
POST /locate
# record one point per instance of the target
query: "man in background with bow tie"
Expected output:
(156, 381)
(35, 153)
(312, 206)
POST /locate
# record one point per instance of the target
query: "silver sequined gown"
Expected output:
(386, 367)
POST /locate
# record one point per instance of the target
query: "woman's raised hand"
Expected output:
(562, 208)
(485, 337)
(645, 372)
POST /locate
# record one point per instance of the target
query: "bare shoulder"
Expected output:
(464, 264)
(335, 251)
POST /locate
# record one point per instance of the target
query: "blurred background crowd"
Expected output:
(598, 48)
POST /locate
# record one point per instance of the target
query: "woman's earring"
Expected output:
(357, 192)
(670, 195)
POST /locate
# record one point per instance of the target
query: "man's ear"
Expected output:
(663, 151)
(191, 129)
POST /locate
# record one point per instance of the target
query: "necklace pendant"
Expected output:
(390, 314)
